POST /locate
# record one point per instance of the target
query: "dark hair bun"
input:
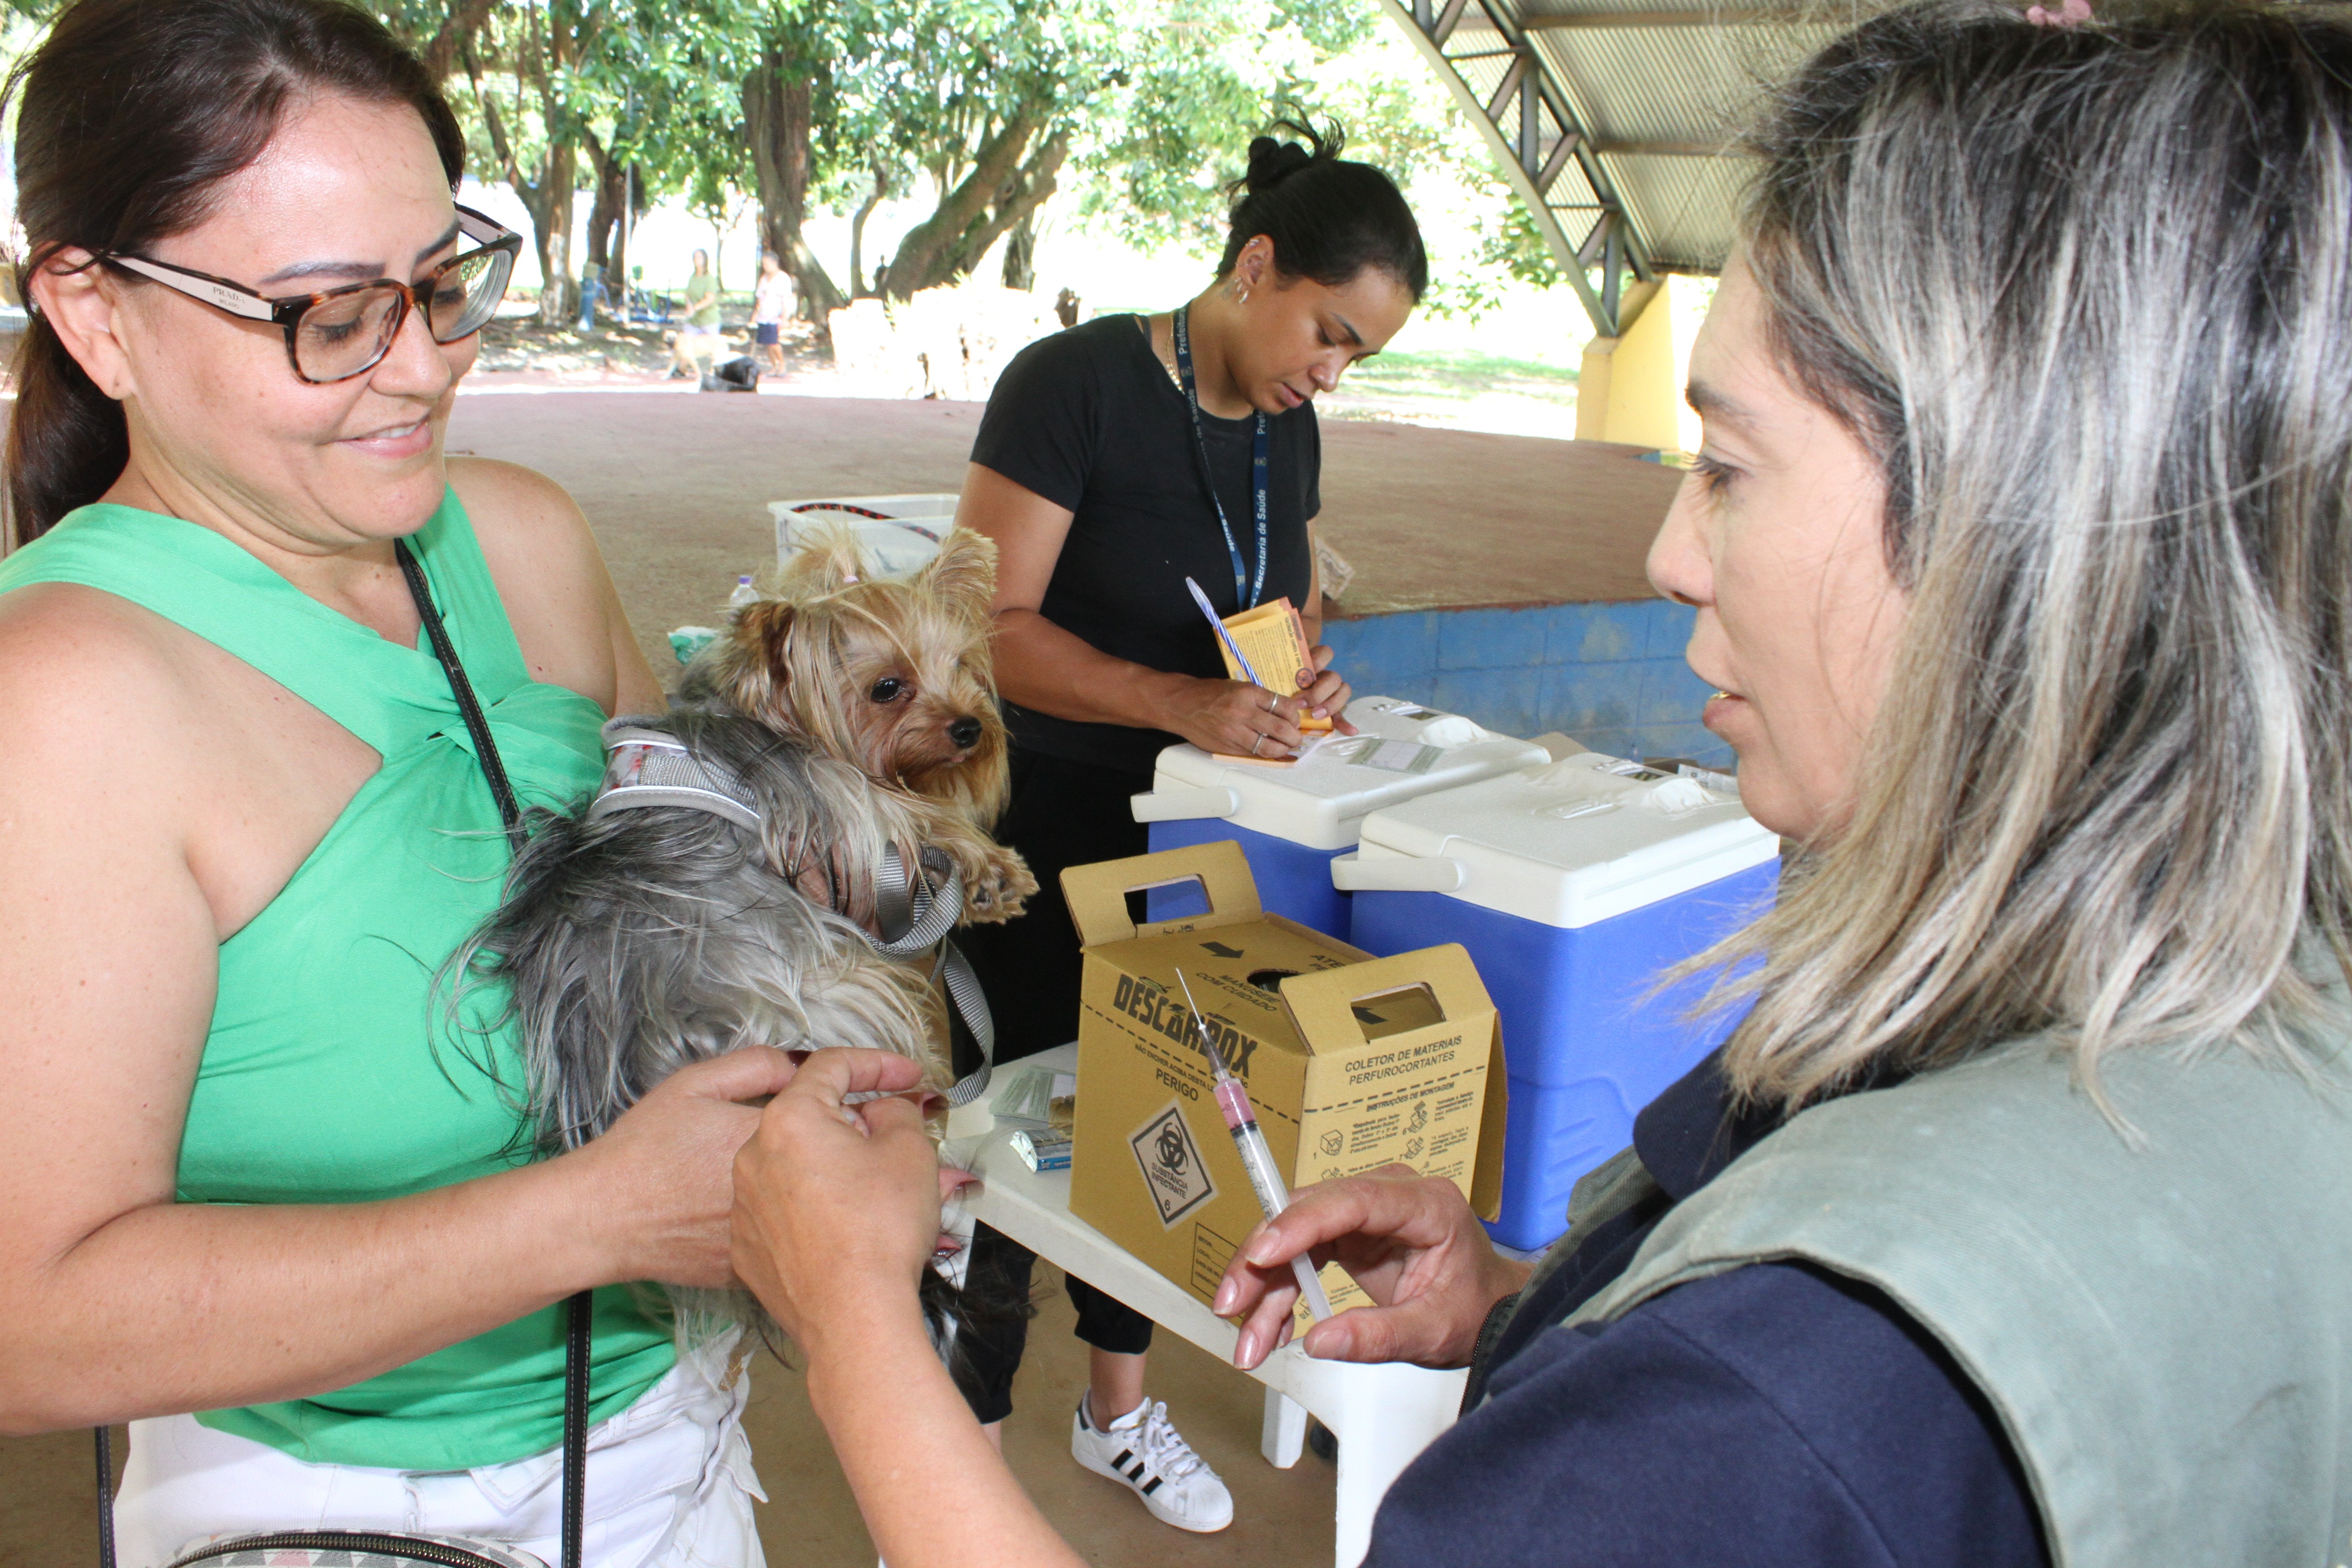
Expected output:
(1326, 218)
(1272, 162)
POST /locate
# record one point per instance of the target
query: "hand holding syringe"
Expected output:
(1273, 1196)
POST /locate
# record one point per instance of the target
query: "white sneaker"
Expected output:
(1143, 1453)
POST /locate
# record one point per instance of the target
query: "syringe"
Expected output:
(1266, 1180)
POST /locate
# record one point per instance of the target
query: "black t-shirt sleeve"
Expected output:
(1041, 428)
(1771, 1416)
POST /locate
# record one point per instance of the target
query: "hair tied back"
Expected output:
(1272, 162)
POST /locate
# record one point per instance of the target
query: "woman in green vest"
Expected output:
(2009, 1226)
(250, 1169)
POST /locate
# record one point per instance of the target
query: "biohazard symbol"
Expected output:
(1171, 1166)
(1172, 1148)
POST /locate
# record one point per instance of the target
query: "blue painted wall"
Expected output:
(1610, 675)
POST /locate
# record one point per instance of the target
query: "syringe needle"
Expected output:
(1257, 1159)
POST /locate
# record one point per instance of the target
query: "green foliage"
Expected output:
(1141, 109)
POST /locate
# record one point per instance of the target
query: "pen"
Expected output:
(1224, 636)
(1256, 1158)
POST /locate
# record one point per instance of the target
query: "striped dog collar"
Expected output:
(646, 767)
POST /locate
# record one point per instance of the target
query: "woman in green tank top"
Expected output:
(251, 1173)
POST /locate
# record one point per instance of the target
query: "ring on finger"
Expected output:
(1255, 742)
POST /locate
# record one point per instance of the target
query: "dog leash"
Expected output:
(907, 906)
(915, 911)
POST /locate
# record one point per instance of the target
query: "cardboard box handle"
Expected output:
(1322, 1004)
(1097, 893)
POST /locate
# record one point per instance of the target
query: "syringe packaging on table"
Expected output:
(1350, 1063)
(1573, 885)
(1290, 820)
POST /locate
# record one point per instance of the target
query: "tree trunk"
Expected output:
(779, 115)
(547, 199)
(1000, 192)
(604, 224)
(1021, 254)
(440, 52)
(559, 291)
(857, 237)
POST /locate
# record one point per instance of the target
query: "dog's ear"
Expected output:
(830, 559)
(964, 571)
(756, 669)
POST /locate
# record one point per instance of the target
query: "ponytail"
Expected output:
(66, 440)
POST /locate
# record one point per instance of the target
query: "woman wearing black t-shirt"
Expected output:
(1117, 459)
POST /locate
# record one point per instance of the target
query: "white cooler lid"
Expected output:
(1575, 841)
(1406, 750)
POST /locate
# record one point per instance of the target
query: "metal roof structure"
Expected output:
(1614, 120)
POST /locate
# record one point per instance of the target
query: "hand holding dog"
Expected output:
(662, 1185)
(836, 1208)
(1411, 1241)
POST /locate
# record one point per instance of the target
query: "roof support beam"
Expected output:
(1517, 142)
(1723, 16)
(1562, 150)
(1512, 78)
(1667, 149)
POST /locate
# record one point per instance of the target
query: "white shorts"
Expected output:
(670, 1485)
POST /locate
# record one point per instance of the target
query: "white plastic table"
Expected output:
(1382, 1415)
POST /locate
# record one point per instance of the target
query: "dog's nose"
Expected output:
(965, 733)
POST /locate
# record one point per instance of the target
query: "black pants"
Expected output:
(1062, 813)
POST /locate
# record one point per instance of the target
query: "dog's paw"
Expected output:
(997, 888)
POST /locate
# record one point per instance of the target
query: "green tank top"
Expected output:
(329, 1074)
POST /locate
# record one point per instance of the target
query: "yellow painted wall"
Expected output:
(1630, 387)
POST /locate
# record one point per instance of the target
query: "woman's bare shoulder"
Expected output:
(65, 647)
(551, 578)
(508, 502)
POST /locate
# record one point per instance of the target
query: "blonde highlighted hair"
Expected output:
(2086, 295)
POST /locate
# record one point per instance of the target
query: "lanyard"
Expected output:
(1245, 589)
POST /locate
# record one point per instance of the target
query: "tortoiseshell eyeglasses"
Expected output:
(346, 332)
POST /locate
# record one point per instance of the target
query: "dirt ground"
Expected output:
(1434, 390)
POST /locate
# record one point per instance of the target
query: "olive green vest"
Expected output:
(2162, 1318)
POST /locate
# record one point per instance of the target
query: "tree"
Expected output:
(543, 46)
(788, 101)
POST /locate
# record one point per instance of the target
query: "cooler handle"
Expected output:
(1405, 874)
(1185, 805)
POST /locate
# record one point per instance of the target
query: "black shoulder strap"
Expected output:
(581, 1308)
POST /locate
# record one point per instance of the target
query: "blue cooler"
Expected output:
(1573, 885)
(1291, 819)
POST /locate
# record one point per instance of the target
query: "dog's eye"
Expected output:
(886, 689)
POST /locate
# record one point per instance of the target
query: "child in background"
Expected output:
(769, 305)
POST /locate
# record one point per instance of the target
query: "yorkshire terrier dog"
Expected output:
(891, 675)
(766, 863)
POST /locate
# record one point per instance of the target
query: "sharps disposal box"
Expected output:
(1571, 886)
(1350, 1063)
(1291, 819)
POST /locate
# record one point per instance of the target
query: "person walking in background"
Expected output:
(698, 336)
(769, 305)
